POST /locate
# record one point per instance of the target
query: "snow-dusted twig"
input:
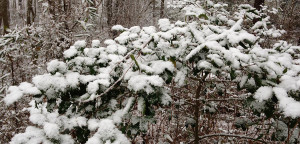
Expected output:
(111, 87)
(129, 53)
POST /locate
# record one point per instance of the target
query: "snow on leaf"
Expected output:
(263, 93)
(14, 94)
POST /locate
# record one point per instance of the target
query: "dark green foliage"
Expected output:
(82, 134)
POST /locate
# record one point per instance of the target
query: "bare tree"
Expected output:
(162, 7)
(4, 14)
(30, 14)
(258, 3)
(153, 11)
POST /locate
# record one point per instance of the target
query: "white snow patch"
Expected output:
(263, 93)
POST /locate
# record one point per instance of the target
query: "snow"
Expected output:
(235, 38)
(31, 135)
(166, 35)
(275, 67)
(81, 121)
(86, 78)
(243, 81)
(289, 83)
(180, 77)
(213, 45)
(204, 65)
(72, 79)
(71, 52)
(163, 45)
(149, 30)
(51, 130)
(93, 87)
(199, 36)
(263, 93)
(93, 124)
(135, 29)
(14, 94)
(192, 10)
(182, 40)
(109, 42)
(164, 24)
(141, 104)
(107, 132)
(94, 140)
(44, 82)
(216, 59)
(112, 48)
(28, 88)
(118, 115)
(118, 28)
(66, 139)
(158, 67)
(79, 44)
(144, 83)
(123, 37)
(37, 118)
(290, 107)
(166, 98)
(56, 66)
(92, 52)
(95, 44)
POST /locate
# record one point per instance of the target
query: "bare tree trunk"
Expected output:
(52, 7)
(196, 113)
(162, 7)
(4, 14)
(257, 5)
(153, 11)
(115, 16)
(109, 13)
(30, 13)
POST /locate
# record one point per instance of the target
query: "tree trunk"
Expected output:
(30, 13)
(162, 7)
(52, 8)
(257, 4)
(109, 14)
(153, 11)
(196, 113)
(4, 14)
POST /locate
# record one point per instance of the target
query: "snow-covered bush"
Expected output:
(86, 97)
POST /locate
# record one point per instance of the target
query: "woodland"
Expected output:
(149, 71)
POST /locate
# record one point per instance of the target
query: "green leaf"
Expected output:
(133, 58)
(173, 60)
(204, 16)
(248, 42)
(285, 70)
(257, 80)
(232, 74)
(243, 45)
(63, 107)
(82, 134)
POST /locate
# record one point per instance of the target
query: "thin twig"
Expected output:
(230, 135)
(129, 53)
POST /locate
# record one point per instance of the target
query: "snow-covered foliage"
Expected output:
(79, 96)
